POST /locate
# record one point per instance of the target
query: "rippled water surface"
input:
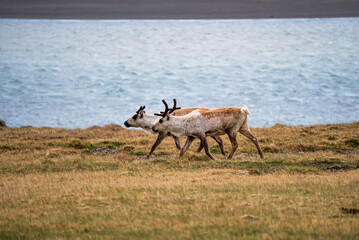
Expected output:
(83, 73)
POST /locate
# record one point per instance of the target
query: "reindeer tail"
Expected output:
(246, 110)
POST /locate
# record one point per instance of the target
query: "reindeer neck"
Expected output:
(177, 125)
(148, 121)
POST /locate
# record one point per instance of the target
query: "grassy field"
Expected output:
(97, 184)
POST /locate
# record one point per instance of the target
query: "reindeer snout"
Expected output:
(126, 124)
(153, 129)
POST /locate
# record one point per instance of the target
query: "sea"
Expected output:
(81, 73)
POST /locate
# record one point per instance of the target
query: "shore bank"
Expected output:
(130, 144)
(172, 9)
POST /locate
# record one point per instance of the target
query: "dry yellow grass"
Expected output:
(52, 185)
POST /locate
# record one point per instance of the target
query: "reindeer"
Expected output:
(202, 123)
(147, 121)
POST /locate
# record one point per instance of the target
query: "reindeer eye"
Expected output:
(135, 117)
(168, 118)
(161, 121)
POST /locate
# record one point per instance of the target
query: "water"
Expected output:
(67, 73)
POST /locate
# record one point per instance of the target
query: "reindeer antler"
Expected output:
(174, 106)
(170, 110)
(140, 109)
(162, 114)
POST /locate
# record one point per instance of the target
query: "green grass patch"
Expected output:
(353, 142)
(81, 145)
(110, 144)
(215, 150)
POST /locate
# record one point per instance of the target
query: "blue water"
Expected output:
(67, 73)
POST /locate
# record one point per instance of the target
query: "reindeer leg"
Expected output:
(200, 147)
(160, 137)
(186, 146)
(177, 142)
(254, 140)
(232, 137)
(206, 148)
(220, 143)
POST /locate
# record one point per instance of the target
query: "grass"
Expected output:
(97, 183)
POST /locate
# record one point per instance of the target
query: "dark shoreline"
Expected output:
(174, 9)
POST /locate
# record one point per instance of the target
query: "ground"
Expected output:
(97, 183)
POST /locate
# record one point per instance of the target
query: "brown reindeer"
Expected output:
(202, 123)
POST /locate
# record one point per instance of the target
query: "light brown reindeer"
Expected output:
(147, 121)
(202, 123)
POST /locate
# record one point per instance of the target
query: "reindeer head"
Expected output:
(136, 119)
(166, 116)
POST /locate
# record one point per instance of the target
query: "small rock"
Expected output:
(353, 152)
(2, 123)
(254, 172)
(250, 217)
(105, 150)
